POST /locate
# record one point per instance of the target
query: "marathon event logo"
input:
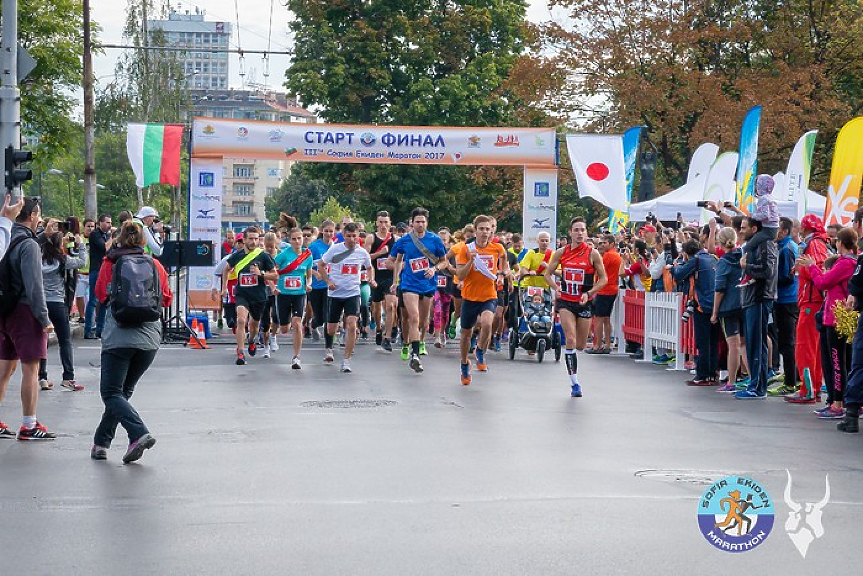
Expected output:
(735, 514)
(541, 190)
(206, 180)
(242, 132)
(474, 142)
(208, 131)
(276, 135)
(541, 207)
(368, 139)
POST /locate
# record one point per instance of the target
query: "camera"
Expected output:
(70, 225)
(701, 203)
(167, 230)
(691, 306)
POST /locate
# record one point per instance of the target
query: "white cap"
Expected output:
(146, 211)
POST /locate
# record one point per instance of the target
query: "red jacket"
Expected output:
(107, 271)
(816, 247)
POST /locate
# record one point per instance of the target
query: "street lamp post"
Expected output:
(56, 172)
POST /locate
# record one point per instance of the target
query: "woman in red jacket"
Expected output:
(127, 352)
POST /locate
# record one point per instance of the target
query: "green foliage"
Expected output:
(331, 209)
(50, 30)
(299, 195)
(417, 62)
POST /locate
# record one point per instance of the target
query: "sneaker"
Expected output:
(496, 343)
(575, 388)
(480, 360)
(743, 383)
(774, 376)
(346, 365)
(379, 338)
(5, 432)
(746, 281)
(798, 399)
(253, 349)
(822, 409)
(386, 346)
(295, 363)
(37, 432)
(438, 342)
(824, 388)
(274, 344)
(415, 364)
(136, 448)
(832, 414)
(727, 388)
(241, 358)
(465, 374)
(690, 365)
(701, 382)
(423, 351)
(405, 352)
(72, 385)
(98, 452)
(782, 390)
(748, 395)
(328, 356)
(593, 351)
(46, 384)
(660, 359)
(451, 332)
(266, 351)
(316, 334)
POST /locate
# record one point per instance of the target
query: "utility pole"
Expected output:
(10, 96)
(91, 199)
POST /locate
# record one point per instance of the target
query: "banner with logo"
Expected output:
(597, 161)
(747, 163)
(540, 205)
(846, 174)
(618, 219)
(354, 143)
(205, 223)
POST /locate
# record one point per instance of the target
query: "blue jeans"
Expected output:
(94, 307)
(121, 370)
(757, 317)
(707, 345)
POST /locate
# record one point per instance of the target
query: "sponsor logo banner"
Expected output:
(539, 212)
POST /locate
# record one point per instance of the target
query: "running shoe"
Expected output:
(98, 452)
(822, 409)
(727, 388)
(5, 432)
(593, 351)
(496, 343)
(451, 331)
(328, 356)
(346, 365)
(438, 342)
(379, 338)
(241, 358)
(575, 390)
(266, 351)
(480, 360)
(423, 351)
(387, 346)
(274, 343)
(465, 374)
(801, 399)
(415, 364)
(701, 382)
(824, 388)
(37, 432)
(781, 390)
(690, 365)
(220, 324)
(295, 363)
(72, 385)
(253, 349)
(832, 414)
(774, 376)
(364, 335)
(743, 383)
(405, 352)
(136, 448)
(748, 395)
(472, 343)
(46, 384)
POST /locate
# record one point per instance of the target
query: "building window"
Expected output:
(244, 171)
(271, 190)
(242, 209)
(243, 190)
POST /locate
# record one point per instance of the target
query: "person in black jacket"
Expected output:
(99, 240)
(854, 389)
(757, 299)
(701, 266)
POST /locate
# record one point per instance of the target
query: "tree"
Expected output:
(50, 31)
(417, 62)
(331, 209)
(299, 195)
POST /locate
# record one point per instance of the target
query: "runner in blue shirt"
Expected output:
(318, 295)
(415, 269)
(294, 264)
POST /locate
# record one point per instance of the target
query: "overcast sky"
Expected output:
(254, 21)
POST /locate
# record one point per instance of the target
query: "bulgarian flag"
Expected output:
(154, 152)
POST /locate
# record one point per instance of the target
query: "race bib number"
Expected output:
(348, 269)
(441, 281)
(293, 282)
(488, 260)
(381, 264)
(419, 264)
(574, 278)
(364, 275)
(248, 280)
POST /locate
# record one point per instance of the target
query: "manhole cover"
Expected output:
(703, 477)
(348, 404)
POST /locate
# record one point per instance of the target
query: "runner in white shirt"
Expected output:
(344, 263)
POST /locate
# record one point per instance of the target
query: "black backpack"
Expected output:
(9, 297)
(135, 292)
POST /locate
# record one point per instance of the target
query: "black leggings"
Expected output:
(320, 306)
(835, 357)
(58, 313)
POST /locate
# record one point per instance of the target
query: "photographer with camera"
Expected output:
(148, 217)
(98, 244)
(699, 269)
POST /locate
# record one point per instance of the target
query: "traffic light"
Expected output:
(15, 175)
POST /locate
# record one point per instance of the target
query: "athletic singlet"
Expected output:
(382, 273)
(576, 272)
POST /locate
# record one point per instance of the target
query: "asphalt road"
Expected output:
(264, 470)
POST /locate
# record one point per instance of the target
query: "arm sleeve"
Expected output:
(5, 234)
(721, 280)
(103, 280)
(31, 278)
(766, 266)
(75, 262)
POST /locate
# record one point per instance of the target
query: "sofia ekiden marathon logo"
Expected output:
(735, 514)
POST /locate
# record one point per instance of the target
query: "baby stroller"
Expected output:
(535, 330)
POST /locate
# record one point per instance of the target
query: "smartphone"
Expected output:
(701, 203)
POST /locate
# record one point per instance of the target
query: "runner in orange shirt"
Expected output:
(481, 267)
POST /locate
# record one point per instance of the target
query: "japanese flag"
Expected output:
(599, 171)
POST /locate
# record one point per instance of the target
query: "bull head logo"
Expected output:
(804, 520)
